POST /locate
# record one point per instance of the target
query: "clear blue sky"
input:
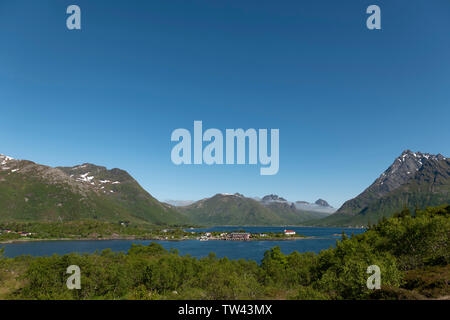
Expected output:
(347, 100)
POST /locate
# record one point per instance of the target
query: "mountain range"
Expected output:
(236, 209)
(34, 192)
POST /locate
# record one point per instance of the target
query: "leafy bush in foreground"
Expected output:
(412, 252)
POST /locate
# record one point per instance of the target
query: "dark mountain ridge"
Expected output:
(413, 180)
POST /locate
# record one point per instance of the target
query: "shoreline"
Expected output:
(87, 239)
(153, 239)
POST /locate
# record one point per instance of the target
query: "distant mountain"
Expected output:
(320, 206)
(230, 209)
(309, 211)
(322, 203)
(235, 209)
(272, 197)
(179, 203)
(34, 192)
(415, 179)
(289, 212)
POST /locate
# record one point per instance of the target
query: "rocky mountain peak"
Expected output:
(5, 159)
(323, 203)
(403, 169)
(414, 179)
(8, 164)
(273, 197)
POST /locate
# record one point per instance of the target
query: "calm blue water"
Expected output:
(253, 250)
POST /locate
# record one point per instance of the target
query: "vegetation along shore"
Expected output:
(411, 249)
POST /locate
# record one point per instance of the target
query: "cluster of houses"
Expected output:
(238, 236)
(20, 233)
(226, 236)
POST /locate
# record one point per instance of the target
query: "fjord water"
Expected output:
(254, 250)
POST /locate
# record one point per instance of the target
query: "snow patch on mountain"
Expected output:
(85, 178)
(403, 169)
(5, 159)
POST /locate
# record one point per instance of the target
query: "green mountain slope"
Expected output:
(413, 180)
(237, 210)
(33, 192)
(223, 209)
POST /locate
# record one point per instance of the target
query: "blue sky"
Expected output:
(347, 100)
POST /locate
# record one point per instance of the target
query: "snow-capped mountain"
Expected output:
(414, 179)
(30, 191)
(402, 170)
